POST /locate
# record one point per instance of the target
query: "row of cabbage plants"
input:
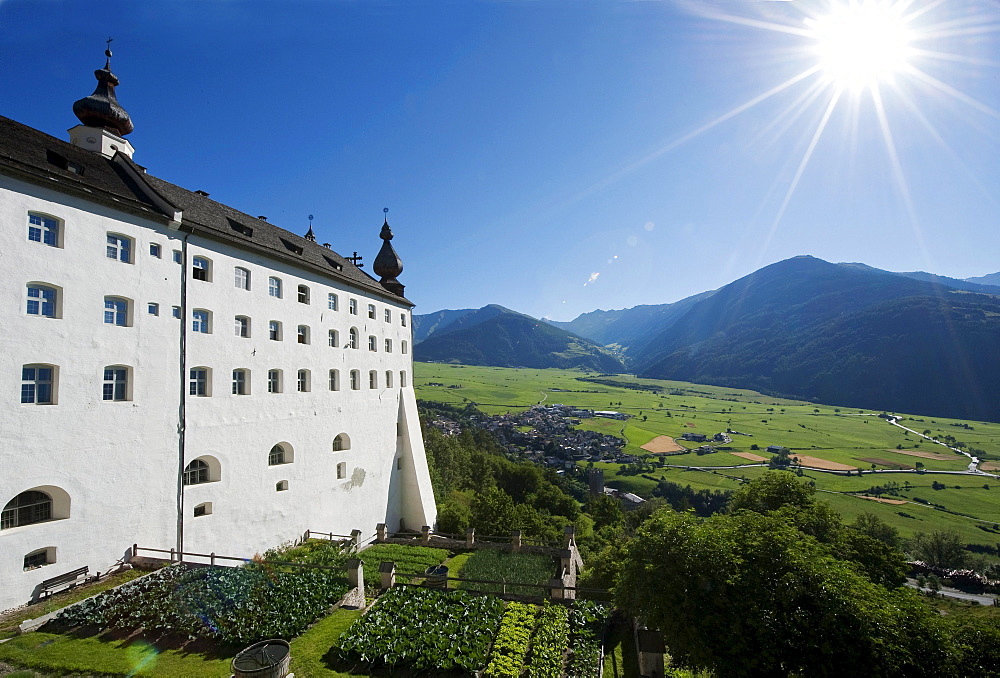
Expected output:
(234, 605)
(548, 645)
(424, 630)
(587, 620)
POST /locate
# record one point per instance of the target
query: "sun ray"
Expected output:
(804, 162)
(944, 88)
(793, 111)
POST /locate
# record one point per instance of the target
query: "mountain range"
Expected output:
(845, 334)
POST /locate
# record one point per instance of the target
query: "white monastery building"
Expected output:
(181, 375)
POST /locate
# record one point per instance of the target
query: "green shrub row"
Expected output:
(586, 621)
(503, 566)
(511, 643)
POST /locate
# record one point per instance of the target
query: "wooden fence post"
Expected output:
(425, 531)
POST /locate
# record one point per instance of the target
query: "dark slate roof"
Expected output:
(34, 156)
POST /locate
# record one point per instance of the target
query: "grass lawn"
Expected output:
(10, 622)
(61, 654)
(310, 649)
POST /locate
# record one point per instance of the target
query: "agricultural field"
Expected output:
(504, 566)
(843, 437)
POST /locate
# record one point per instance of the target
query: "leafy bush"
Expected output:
(549, 642)
(521, 568)
(511, 644)
(586, 621)
(237, 605)
(424, 629)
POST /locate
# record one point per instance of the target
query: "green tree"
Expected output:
(873, 526)
(770, 492)
(943, 548)
(785, 604)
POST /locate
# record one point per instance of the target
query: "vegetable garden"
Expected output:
(455, 632)
(233, 605)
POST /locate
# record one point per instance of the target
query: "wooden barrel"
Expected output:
(437, 577)
(266, 659)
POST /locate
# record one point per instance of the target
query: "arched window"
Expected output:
(274, 381)
(274, 287)
(341, 442)
(119, 247)
(371, 311)
(331, 301)
(373, 379)
(38, 384)
(333, 338)
(303, 294)
(242, 278)
(372, 343)
(352, 306)
(243, 326)
(241, 382)
(402, 379)
(302, 334)
(26, 508)
(274, 330)
(44, 229)
(116, 382)
(43, 300)
(201, 269)
(403, 346)
(116, 311)
(201, 321)
(355, 380)
(402, 319)
(200, 382)
(334, 380)
(388, 378)
(388, 345)
(303, 380)
(196, 473)
(280, 454)
(352, 341)
(388, 316)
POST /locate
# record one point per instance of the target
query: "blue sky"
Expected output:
(546, 155)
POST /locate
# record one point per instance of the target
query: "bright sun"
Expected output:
(862, 42)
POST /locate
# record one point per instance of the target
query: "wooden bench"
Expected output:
(69, 580)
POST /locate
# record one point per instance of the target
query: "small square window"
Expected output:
(154, 250)
(176, 312)
(178, 257)
(341, 470)
(153, 308)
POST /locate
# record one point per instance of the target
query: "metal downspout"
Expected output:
(182, 406)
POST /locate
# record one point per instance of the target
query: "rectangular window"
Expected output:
(371, 311)
(331, 301)
(303, 294)
(119, 247)
(355, 380)
(41, 301)
(199, 321)
(239, 382)
(388, 345)
(115, 383)
(153, 308)
(333, 338)
(342, 470)
(402, 379)
(242, 278)
(242, 326)
(274, 330)
(115, 311)
(198, 385)
(36, 385)
(303, 381)
(352, 306)
(178, 256)
(402, 319)
(274, 287)
(154, 250)
(274, 381)
(372, 343)
(176, 312)
(388, 316)
(200, 268)
(373, 379)
(44, 230)
(334, 380)
(388, 378)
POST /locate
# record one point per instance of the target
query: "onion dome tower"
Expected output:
(104, 122)
(387, 264)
